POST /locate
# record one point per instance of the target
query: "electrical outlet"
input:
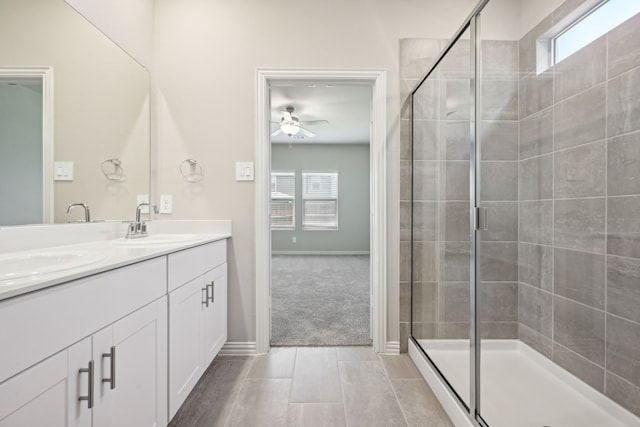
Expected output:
(143, 198)
(294, 240)
(166, 203)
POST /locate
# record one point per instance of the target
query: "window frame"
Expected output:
(575, 22)
(291, 198)
(320, 198)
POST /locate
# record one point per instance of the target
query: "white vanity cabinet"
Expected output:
(119, 348)
(130, 360)
(197, 316)
(110, 325)
(47, 394)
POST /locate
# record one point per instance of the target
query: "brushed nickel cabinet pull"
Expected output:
(112, 362)
(212, 298)
(89, 396)
(206, 296)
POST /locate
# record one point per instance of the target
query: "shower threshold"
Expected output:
(519, 387)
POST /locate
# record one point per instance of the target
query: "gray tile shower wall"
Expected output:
(579, 209)
(561, 179)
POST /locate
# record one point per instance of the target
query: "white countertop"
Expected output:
(98, 256)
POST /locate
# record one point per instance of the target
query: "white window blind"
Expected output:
(283, 200)
(320, 200)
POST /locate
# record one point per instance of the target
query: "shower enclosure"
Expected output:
(525, 217)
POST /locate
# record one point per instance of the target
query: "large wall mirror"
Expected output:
(98, 117)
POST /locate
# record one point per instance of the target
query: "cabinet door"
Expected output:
(131, 365)
(186, 305)
(47, 394)
(215, 316)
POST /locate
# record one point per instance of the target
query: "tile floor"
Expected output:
(312, 386)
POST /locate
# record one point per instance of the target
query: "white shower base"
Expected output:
(520, 387)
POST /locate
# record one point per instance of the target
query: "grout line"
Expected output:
(393, 390)
(237, 397)
(344, 403)
(606, 204)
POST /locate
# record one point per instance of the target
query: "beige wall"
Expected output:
(129, 23)
(207, 53)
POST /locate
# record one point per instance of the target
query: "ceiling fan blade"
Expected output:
(314, 122)
(277, 132)
(306, 132)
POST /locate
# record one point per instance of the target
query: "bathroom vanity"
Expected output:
(114, 333)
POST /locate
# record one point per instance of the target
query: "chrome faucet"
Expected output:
(87, 214)
(138, 228)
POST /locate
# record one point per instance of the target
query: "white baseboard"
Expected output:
(239, 349)
(319, 252)
(392, 347)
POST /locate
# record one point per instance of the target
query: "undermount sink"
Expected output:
(156, 240)
(14, 267)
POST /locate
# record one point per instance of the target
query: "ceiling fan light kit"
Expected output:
(291, 125)
(289, 128)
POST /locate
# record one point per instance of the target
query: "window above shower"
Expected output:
(599, 20)
(578, 29)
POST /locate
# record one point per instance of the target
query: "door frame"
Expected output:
(377, 80)
(45, 75)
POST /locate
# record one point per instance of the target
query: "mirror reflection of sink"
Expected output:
(156, 240)
(14, 267)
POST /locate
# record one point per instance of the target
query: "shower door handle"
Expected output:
(482, 219)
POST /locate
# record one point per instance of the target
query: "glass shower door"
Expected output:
(441, 156)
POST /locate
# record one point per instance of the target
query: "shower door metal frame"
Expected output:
(475, 213)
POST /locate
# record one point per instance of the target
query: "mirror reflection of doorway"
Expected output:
(21, 151)
(320, 207)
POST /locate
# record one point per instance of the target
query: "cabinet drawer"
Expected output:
(186, 265)
(42, 323)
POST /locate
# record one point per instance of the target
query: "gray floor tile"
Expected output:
(368, 397)
(261, 403)
(278, 363)
(315, 377)
(212, 399)
(346, 354)
(400, 366)
(419, 404)
(316, 415)
(323, 392)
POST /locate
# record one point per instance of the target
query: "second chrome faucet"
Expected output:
(87, 214)
(138, 228)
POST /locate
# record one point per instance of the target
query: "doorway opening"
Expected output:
(26, 145)
(320, 237)
(312, 213)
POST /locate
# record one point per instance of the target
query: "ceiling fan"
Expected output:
(291, 125)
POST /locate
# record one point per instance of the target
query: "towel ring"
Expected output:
(191, 170)
(112, 170)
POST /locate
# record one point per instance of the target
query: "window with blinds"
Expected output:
(283, 200)
(320, 200)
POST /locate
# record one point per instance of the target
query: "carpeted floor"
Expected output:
(320, 300)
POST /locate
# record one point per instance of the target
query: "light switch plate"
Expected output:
(143, 198)
(63, 171)
(244, 171)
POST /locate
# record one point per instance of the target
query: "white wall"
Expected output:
(129, 23)
(207, 53)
